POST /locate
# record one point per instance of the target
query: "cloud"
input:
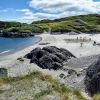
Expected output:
(64, 5)
(50, 9)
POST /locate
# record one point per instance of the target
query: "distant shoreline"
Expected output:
(12, 51)
(15, 34)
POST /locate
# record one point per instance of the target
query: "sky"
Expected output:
(33, 10)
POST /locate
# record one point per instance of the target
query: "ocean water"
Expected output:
(13, 44)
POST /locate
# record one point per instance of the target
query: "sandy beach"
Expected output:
(85, 56)
(17, 68)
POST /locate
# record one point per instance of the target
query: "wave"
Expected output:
(5, 51)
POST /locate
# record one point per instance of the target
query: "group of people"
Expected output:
(83, 39)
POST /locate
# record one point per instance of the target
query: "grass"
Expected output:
(87, 23)
(78, 94)
(42, 93)
(38, 86)
(96, 97)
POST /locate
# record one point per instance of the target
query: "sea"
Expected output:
(8, 45)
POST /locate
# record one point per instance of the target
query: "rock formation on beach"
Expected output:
(49, 57)
(92, 79)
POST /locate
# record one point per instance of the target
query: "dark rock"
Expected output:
(36, 50)
(3, 72)
(92, 79)
(60, 56)
(29, 56)
(20, 59)
(46, 62)
(71, 71)
(57, 66)
(67, 53)
(93, 69)
(61, 75)
(37, 54)
(51, 49)
(55, 58)
(16, 34)
(49, 57)
(94, 84)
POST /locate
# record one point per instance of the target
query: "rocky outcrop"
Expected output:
(49, 57)
(92, 79)
(15, 34)
(3, 72)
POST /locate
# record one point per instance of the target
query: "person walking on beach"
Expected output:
(81, 44)
(94, 43)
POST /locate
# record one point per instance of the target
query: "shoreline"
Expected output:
(17, 68)
(12, 51)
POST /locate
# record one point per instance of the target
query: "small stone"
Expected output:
(61, 75)
(3, 72)
(21, 59)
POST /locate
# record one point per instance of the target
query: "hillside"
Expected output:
(16, 29)
(83, 23)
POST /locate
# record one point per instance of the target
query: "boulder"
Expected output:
(46, 62)
(61, 56)
(36, 55)
(55, 58)
(67, 53)
(71, 71)
(57, 66)
(28, 56)
(20, 59)
(49, 57)
(3, 72)
(94, 84)
(51, 49)
(92, 79)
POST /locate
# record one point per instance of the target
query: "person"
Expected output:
(81, 44)
(94, 43)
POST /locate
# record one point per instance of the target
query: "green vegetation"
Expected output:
(82, 23)
(36, 86)
(19, 27)
(96, 97)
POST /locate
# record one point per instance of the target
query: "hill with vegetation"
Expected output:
(19, 27)
(16, 29)
(82, 23)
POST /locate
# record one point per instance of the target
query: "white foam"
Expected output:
(5, 51)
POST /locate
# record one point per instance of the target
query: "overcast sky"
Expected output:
(32, 10)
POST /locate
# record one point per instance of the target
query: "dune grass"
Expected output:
(96, 97)
(38, 86)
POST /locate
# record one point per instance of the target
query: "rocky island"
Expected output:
(15, 34)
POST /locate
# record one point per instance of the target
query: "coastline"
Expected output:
(10, 52)
(17, 68)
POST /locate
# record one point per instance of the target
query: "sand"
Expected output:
(17, 68)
